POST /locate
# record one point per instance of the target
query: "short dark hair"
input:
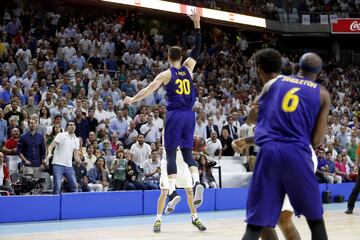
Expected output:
(175, 53)
(269, 60)
(70, 121)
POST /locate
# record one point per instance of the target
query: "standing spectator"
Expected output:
(30, 108)
(10, 147)
(343, 137)
(82, 126)
(14, 113)
(157, 120)
(67, 145)
(89, 157)
(150, 131)
(3, 128)
(211, 127)
(352, 149)
(118, 169)
(152, 171)
(119, 125)
(31, 150)
(98, 179)
(140, 150)
(232, 130)
(226, 141)
(356, 190)
(200, 128)
(45, 117)
(5, 183)
(214, 146)
(92, 121)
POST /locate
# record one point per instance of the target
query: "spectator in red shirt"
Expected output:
(5, 183)
(10, 147)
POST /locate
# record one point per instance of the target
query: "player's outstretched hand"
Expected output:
(127, 100)
(195, 15)
(239, 145)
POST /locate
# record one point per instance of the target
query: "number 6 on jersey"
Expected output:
(290, 100)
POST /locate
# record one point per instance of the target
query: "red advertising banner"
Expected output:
(346, 26)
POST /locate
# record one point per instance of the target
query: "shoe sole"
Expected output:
(199, 194)
(170, 207)
(201, 230)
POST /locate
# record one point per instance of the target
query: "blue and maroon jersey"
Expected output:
(180, 90)
(288, 111)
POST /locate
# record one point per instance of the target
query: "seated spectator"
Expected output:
(205, 171)
(152, 171)
(134, 175)
(98, 178)
(341, 168)
(81, 176)
(332, 177)
(322, 170)
(89, 157)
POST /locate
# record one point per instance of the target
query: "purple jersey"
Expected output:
(180, 90)
(288, 111)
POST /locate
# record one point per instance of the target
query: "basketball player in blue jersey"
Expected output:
(180, 119)
(292, 114)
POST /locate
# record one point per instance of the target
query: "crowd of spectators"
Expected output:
(58, 68)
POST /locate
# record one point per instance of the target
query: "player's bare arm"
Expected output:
(321, 121)
(190, 62)
(162, 78)
(240, 144)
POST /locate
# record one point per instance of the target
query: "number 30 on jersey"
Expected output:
(183, 86)
(290, 100)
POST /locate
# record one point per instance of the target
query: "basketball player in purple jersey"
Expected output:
(292, 113)
(180, 119)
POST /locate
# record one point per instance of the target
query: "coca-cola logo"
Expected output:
(355, 26)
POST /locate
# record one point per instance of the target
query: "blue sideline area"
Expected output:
(112, 204)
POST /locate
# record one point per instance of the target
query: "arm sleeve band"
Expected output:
(196, 49)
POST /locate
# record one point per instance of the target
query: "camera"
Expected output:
(28, 185)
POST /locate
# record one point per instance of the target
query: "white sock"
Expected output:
(172, 183)
(158, 217)
(194, 216)
(195, 177)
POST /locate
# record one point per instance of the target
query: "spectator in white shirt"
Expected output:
(152, 171)
(150, 131)
(200, 128)
(157, 120)
(140, 150)
(214, 146)
(69, 51)
(26, 52)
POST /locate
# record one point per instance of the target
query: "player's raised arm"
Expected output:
(190, 62)
(163, 77)
(321, 121)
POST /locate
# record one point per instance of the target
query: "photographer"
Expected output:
(31, 150)
(205, 171)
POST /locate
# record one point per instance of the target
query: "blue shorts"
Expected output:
(283, 168)
(179, 129)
